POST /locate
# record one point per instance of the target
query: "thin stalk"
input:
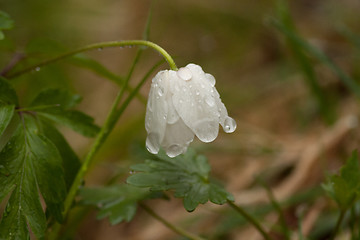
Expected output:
(174, 228)
(98, 46)
(338, 223)
(252, 220)
(109, 124)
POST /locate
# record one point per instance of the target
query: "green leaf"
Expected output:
(6, 114)
(7, 92)
(56, 98)
(54, 104)
(32, 163)
(187, 175)
(71, 162)
(118, 202)
(345, 188)
(305, 64)
(83, 61)
(347, 80)
(44, 46)
(77, 121)
(5, 23)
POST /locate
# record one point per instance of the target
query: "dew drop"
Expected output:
(100, 49)
(37, 69)
(210, 101)
(174, 150)
(160, 91)
(197, 92)
(229, 125)
(210, 78)
(132, 172)
(152, 143)
(184, 73)
(181, 101)
(184, 89)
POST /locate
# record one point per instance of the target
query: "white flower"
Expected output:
(182, 104)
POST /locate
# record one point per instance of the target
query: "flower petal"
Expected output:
(195, 102)
(177, 138)
(156, 111)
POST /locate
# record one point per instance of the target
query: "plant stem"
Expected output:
(174, 228)
(109, 124)
(252, 220)
(99, 46)
(338, 223)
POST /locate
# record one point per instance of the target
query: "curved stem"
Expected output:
(252, 220)
(174, 228)
(99, 46)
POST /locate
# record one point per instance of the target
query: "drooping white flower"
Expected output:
(182, 104)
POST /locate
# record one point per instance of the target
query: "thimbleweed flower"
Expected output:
(182, 104)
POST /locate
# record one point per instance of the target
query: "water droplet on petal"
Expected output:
(210, 78)
(197, 92)
(229, 125)
(153, 143)
(210, 101)
(184, 73)
(206, 130)
(174, 150)
(160, 91)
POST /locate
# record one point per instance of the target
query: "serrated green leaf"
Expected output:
(71, 162)
(187, 175)
(6, 114)
(345, 188)
(7, 92)
(32, 163)
(56, 98)
(54, 104)
(118, 202)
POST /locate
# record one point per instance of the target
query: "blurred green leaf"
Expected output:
(56, 97)
(348, 81)
(187, 175)
(71, 162)
(6, 23)
(6, 114)
(7, 92)
(43, 46)
(118, 202)
(83, 61)
(53, 105)
(326, 109)
(345, 188)
(32, 163)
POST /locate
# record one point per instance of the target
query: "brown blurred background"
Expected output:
(263, 87)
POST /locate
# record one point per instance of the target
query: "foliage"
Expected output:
(5, 23)
(187, 175)
(345, 187)
(35, 157)
(118, 202)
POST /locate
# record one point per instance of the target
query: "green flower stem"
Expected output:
(338, 223)
(98, 46)
(174, 228)
(109, 124)
(252, 220)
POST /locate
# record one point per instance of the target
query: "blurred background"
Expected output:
(296, 115)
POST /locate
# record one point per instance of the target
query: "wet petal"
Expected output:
(177, 138)
(156, 112)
